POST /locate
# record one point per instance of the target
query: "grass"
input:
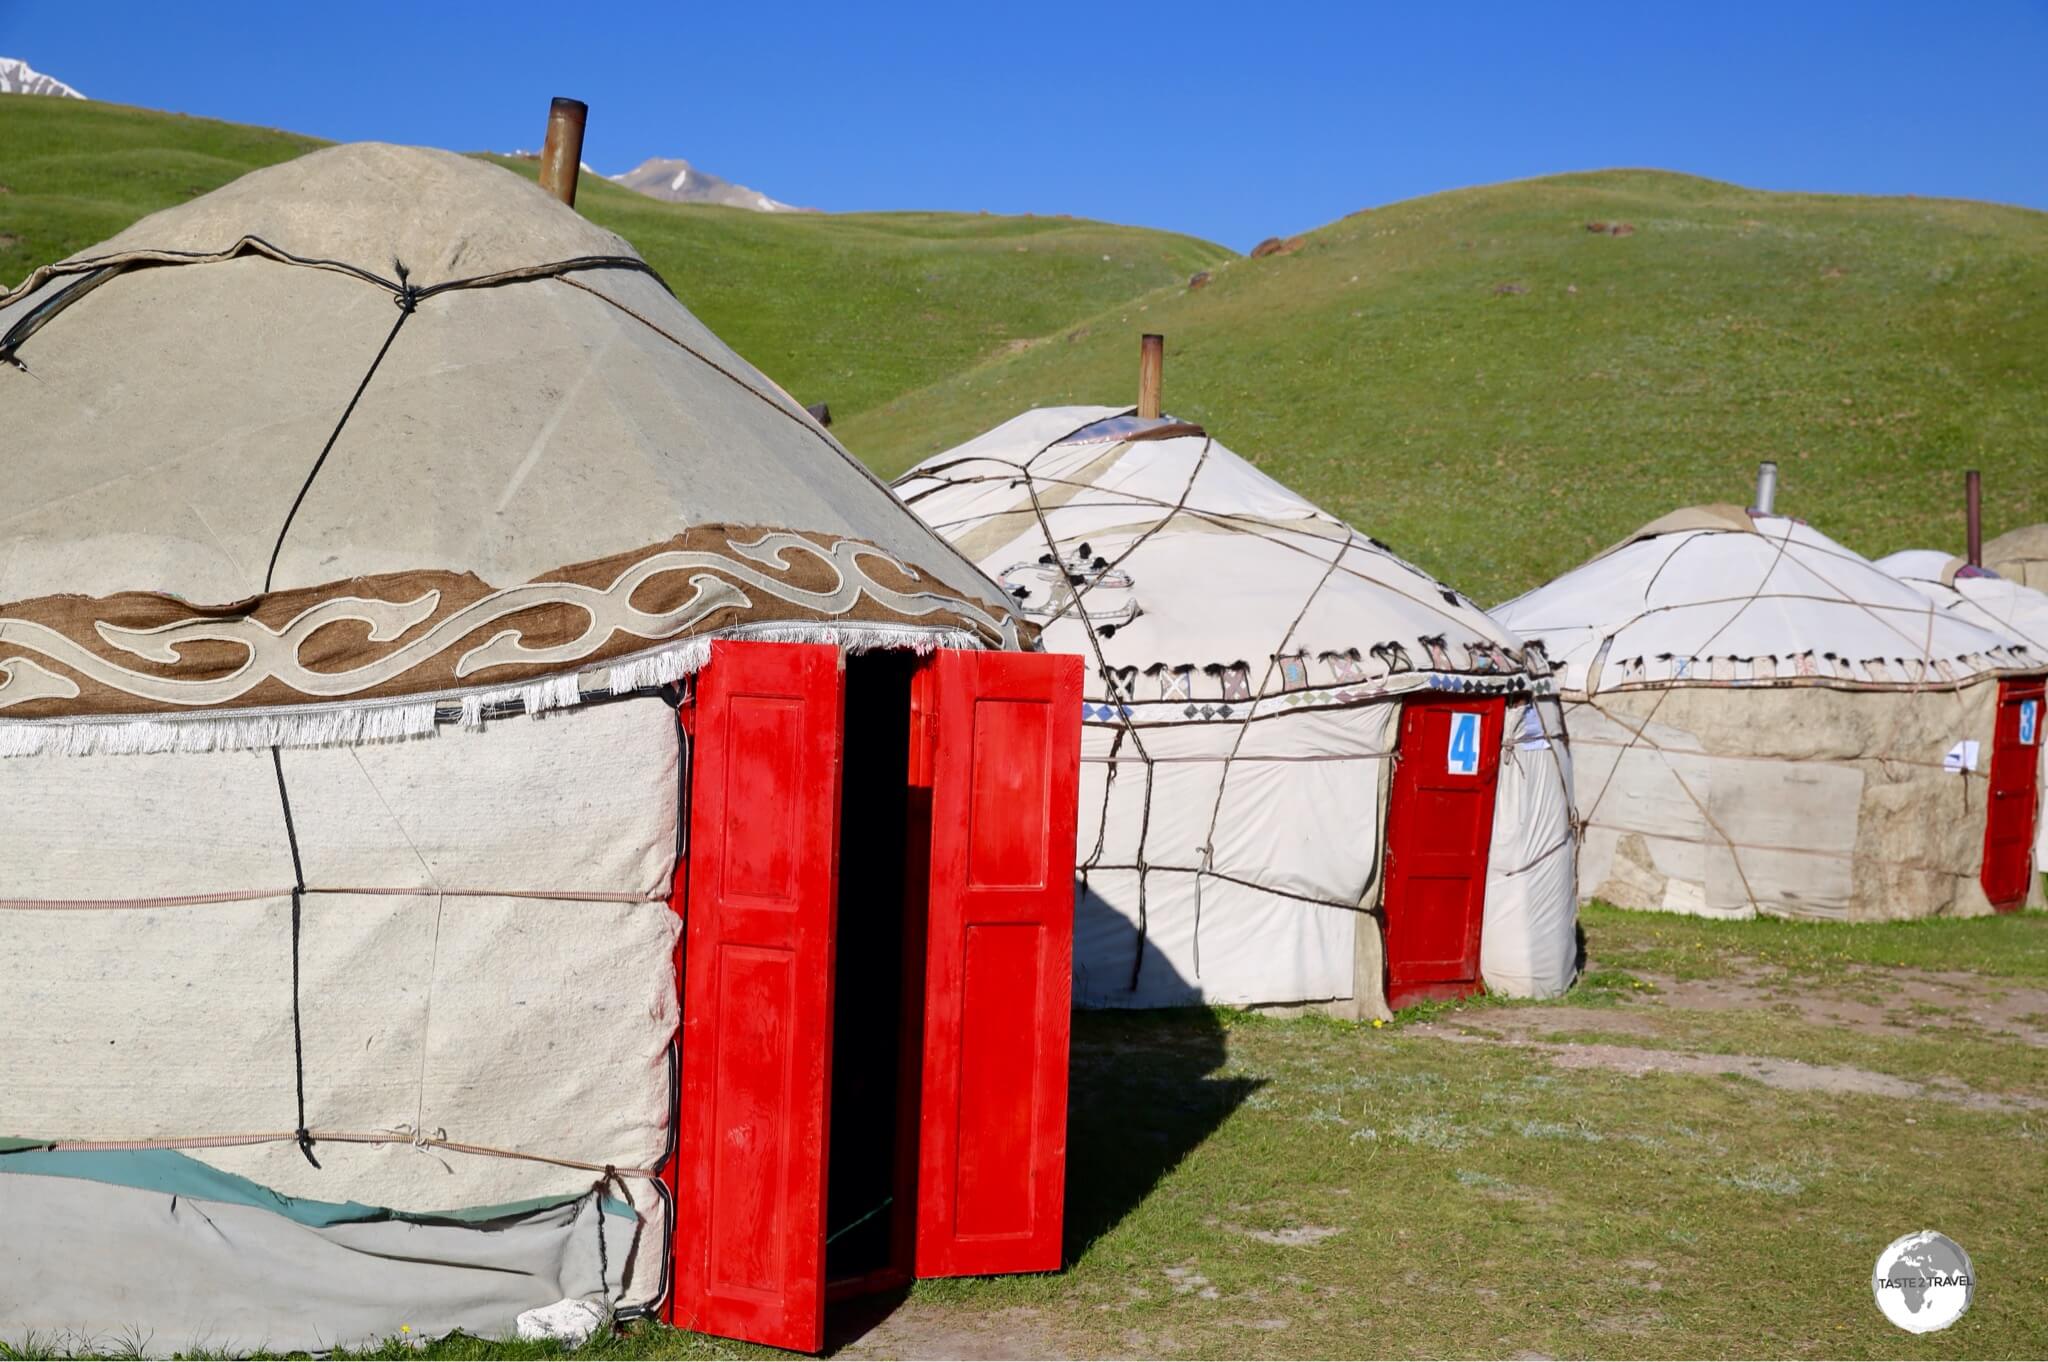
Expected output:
(850, 309)
(1477, 379)
(2006, 947)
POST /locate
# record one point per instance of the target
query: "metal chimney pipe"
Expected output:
(1766, 487)
(1151, 367)
(1973, 510)
(561, 156)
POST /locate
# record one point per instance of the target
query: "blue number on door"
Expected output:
(2030, 721)
(1464, 755)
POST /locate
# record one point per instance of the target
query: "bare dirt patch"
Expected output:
(1792, 1075)
(917, 1330)
(1907, 1000)
(1293, 1236)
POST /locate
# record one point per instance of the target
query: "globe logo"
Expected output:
(1923, 1282)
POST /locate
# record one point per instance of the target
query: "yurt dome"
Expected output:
(1248, 657)
(315, 1033)
(2021, 556)
(1765, 721)
(385, 423)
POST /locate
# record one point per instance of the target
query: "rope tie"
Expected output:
(300, 1133)
(606, 1180)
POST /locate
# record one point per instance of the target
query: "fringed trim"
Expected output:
(420, 717)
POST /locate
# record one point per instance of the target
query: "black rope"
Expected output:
(407, 298)
(298, 894)
(604, 1265)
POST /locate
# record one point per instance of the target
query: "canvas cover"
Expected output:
(1763, 721)
(1247, 652)
(1688, 601)
(2021, 556)
(486, 999)
(1992, 602)
(1528, 940)
(360, 518)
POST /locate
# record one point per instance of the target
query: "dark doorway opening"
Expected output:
(871, 1172)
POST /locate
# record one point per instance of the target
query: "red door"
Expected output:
(1439, 828)
(757, 994)
(2009, 816)
(1003, 750)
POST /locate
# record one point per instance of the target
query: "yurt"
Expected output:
(508, 824)
(2021, 556)
(1989, 601)
(1764, 722)
(1310, 772)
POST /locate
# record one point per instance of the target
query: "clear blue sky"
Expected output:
(1232, 122)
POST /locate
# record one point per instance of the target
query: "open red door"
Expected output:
(1439, 831)
(2014, 798)
(757, 994)
(1002, 740)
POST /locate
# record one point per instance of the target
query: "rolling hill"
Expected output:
(850, 309)
(1498, 391)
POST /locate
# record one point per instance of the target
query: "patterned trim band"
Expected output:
(428, 632)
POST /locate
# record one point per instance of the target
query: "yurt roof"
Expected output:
(1977, 595)
(1187, 558)
(2011, 554)
(385, 421)
(1718, 595)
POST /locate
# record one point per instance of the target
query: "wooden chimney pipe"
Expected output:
(561, 156)
(1151, 372)
(1973, 510)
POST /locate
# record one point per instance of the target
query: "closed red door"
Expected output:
(757, 994)
(2014, 798)
(1439, 829)
(1002, 738)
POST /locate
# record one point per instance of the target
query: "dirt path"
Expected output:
(1903, 999)
(1869, 1002)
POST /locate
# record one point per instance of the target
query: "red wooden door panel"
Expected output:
(2014, 796)
(757, 994)
(1003, 766)
(1439, 828)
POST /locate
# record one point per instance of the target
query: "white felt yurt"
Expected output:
(353, 515)
(1986, 599)
(1764, 721)
(1250, 659)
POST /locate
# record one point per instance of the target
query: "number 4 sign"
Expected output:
(2030, 722)
(1464, 754)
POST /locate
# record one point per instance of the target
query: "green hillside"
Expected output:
(851, 309)
(1497, 391)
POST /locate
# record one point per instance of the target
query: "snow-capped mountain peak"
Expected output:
(17, 77)
(676, 180)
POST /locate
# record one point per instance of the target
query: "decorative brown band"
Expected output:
(428, 632)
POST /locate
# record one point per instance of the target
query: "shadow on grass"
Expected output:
(1146, 1091)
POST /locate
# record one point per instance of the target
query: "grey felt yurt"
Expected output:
(1765, 722)
(356, 516)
